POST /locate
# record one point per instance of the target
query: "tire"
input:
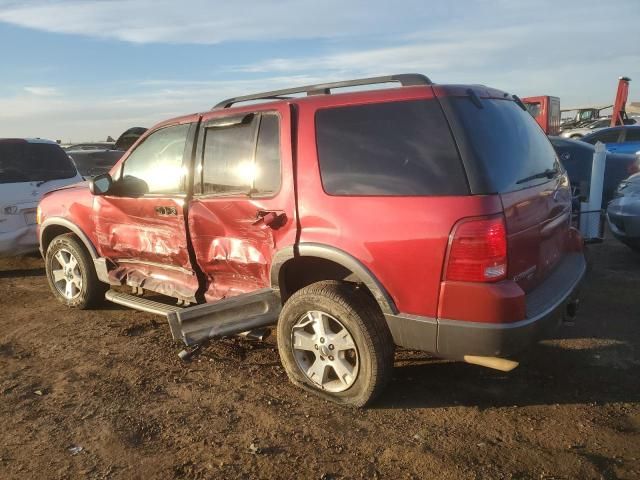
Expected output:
(86, 290)
(365, 352)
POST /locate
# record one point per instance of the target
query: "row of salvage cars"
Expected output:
(29, 168)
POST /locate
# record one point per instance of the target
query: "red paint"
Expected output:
(619, 107)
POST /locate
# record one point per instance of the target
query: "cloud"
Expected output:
(42, 91)
(206, 22)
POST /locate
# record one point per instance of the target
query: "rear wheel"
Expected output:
(71, 274)
(334, 341)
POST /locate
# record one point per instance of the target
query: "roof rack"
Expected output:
(404, 79)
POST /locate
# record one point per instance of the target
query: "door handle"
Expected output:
(166, 211)
(271, 218)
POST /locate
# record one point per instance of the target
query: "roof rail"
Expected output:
(404, 79)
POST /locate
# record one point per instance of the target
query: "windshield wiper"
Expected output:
(548, 173)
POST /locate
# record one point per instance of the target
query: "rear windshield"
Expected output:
(394, 148)
(33, 162)
(507, 143)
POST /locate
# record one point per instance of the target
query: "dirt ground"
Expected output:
(102, 394)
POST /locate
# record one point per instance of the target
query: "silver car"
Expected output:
(623, 212)
(576, 133)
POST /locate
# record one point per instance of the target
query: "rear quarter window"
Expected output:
(388, 149)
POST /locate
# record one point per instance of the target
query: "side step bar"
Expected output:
(139, 303)
(199, 323)
(249, 311)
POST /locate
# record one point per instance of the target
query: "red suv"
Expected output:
(431, 217)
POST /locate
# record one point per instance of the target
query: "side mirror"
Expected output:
(101, 184)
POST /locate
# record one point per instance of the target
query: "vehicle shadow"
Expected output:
(548, 375)
(22, 273)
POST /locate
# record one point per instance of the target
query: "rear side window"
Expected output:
(242, 158)
(396, 148)
(34, 162)
(505, 141)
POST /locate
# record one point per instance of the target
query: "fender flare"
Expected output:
(340, 257)
(63, 222)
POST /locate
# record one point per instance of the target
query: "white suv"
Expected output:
(29, 168)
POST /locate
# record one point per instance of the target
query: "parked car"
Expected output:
(586, 130)
(95, 161)
(432, 217)
(90, 146)
(623, 213)
(577, 159)
(621, 139)
(28, 169)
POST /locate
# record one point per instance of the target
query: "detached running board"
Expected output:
(197, 324)
(139, 303)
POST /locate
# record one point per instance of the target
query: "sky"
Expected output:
(82, 70)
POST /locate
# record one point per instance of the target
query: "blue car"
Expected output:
(622, 139)
(577, 159)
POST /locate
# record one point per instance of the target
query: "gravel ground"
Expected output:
(102, 394)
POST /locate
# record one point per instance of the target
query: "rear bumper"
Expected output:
(546, 307)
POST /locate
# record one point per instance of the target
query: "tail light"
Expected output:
(634, 167)
(478, 251)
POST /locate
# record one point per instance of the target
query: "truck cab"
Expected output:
(546, 110)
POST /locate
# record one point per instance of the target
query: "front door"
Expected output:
(243, 208)
(140, 223)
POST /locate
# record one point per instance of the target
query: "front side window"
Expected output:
(534, 109)
(157, 161)
(242, 158)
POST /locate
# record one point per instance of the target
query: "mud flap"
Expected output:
(197, 324)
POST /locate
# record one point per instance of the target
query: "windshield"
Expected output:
(34, 162)
(507, 144)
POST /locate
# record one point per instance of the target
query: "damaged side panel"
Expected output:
(232, 248)
(146, 238)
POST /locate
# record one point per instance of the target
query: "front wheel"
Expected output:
(334, 341)
(71, 274)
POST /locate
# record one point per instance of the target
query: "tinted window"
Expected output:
(633, 135)
(267, 170)
(505, 141)
(610, 136)
(34, 162)
(396, 148)
(157, 161)
(235, 163)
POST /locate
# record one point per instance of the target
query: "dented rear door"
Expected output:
(243, 207)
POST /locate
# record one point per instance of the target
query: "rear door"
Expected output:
(141, 224)
(243, 208)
